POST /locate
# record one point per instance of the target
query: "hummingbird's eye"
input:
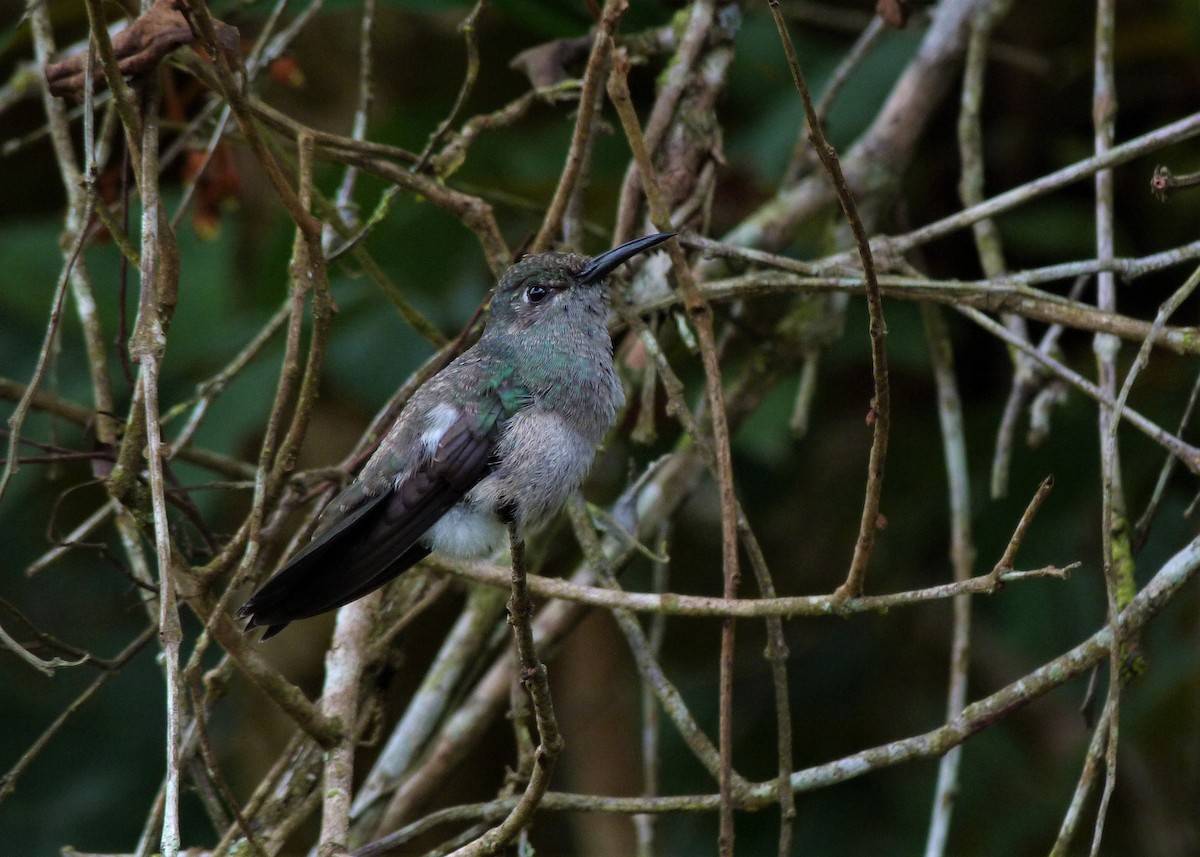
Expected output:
(536, 294)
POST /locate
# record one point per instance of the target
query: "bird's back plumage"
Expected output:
(505, 433)
(370, 532)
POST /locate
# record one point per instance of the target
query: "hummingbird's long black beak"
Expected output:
(597, 269)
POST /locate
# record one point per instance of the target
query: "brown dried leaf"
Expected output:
(140, 47)
(217, 188)
(893, 12)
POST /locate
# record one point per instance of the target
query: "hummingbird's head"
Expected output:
(552, 285)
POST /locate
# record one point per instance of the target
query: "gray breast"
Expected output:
(543, 459)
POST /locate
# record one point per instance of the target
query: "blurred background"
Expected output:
(854, 683)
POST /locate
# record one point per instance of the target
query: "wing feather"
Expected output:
(379, 539)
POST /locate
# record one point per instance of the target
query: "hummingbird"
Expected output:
(503, 435)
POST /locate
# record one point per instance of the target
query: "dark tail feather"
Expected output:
(271, 631)
(379, 539)
(372, 545)
(357, 556)
(314, 586)
(295, 597)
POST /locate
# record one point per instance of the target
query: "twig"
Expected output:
(432, 699)
(846, 67)
(58, 457)
(700, 314)
(696, 32)
(977, 716)
(1018, 537)
(285, 792)
(593, 79)
(1022, 300)
(674, 604)
(1027, 378)
(291, 129)
(43, 666)
(279, 448)
(429, 592)
(1163, 183)
(1142, 529)
(159, 272)
(8, 782)
(896, 129)
(986, 233)
(447, 161)
(170, 632)
(850, 63)
(1188, 454)
(776, 654)
(470, 33)
(474, 213)
(123, 98)
(1140, 362)
(76, 222)
(68, 541)
(287, 696)
(1175, 132)
(17, 418)
(777, 651)
(1083, 788)
(881, 400)
(356, 241)
(232, 92)
(276, 47)
(841, 266)
(42, 640)
(211, 768)
(333, 212)
(208, 391)
(653, 676)
(1178, 571)
(962, 558)
(643, 825)
(344, 665)
(533, 678)
(81, 416)
(344, 201)
(253, 65)
(1119, 583)
(210, 150)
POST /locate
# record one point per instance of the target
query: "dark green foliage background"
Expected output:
(855, 683)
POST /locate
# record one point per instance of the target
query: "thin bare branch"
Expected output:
(879, 415)
(533, 679)
(593, 81)
(700, 314)
(673, 604)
